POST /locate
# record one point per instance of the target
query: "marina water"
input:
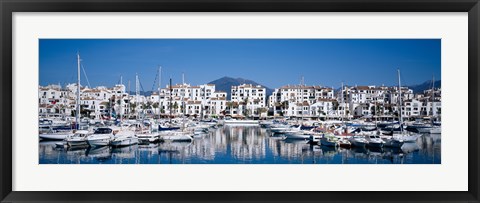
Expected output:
(243, 145)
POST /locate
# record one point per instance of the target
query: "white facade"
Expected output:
(252, 99)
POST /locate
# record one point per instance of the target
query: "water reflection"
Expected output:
(243, 145)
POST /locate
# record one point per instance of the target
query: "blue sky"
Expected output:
(272, 62)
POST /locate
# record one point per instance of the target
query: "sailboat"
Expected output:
(435, 129)
(150, 135)
(175, 135)
(398, 139)
(56, 135)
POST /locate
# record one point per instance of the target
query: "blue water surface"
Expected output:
(243, 145)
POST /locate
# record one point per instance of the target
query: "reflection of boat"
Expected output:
(60, 144)
(77, 147)
(99, 152)
(393, 151)
(176, 145)
(328, 149)
(124, 151)
(361, 150)
(436, 130)
(436, 138)
(47, 143)
(314, 139)
(409, 147)
(375, 150)
(316, 148)
(151, 148)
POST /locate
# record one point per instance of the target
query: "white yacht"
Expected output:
(78, 139)
(124, 138)
(55, 135)
(101, 137)
(358, 141)
(146, 136)
(374, 141)
(407, 137)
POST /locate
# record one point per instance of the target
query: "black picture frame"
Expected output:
(7, 8)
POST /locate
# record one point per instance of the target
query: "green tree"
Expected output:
(133, 107)
(175, 106)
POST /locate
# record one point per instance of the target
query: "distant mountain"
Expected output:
(425, 86)
(226, 83)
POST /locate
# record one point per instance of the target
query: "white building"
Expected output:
(251, 99)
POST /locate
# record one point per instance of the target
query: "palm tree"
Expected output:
(284, 106)
(175, 106)
(245, 110)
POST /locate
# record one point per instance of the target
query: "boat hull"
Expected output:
(55, 136)
(358, 144)
(147, 138)
(241, 123)
(296, 136)
(76, 143)
(99, 141)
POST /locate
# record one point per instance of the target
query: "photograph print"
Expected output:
(239, 101)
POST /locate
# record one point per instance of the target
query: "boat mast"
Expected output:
(121, 100)
(343, 106)
(400, 118)
(136, 95)
(78, 92)
(159, 89)
(129, 101)
(433, 96)
(170, 104)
